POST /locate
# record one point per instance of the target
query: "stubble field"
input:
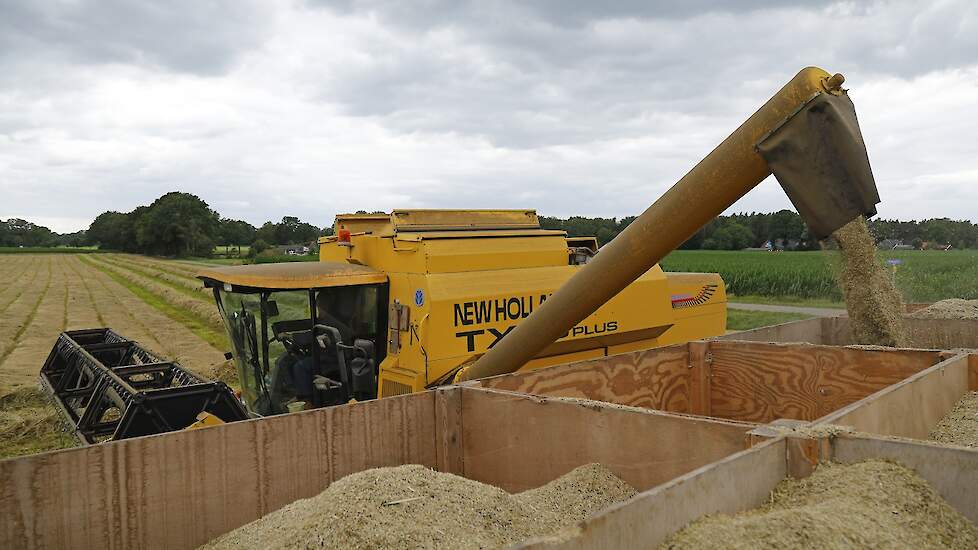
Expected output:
(156, 302)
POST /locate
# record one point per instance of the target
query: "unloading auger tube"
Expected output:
(807, 135)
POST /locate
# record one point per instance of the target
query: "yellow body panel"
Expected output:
(468, 277)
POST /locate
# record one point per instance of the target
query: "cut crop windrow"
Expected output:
(122, 309)
(91, 298)
(30, 319)
(198, 316)
(171, 267)
(16, 288)
(189, 287)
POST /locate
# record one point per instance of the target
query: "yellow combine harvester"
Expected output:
(419, 292)
(417, 298)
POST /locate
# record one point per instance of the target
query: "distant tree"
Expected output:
(786, 225)
(733, 236)
(740, 236)
(76, 239)
(257, 248)
(267, 232)
(940, 230)
(294, 231)
(178, 224)
(236, 232)
(113, 230)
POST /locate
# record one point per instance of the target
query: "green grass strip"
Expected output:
(786, 301)
(139, 270)
(186, 318)
(740, 319)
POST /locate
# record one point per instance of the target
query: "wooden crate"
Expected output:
(712, 446)
(181, 489)
(733, 380)
(745, 480)
(912, 407)
(944, 334)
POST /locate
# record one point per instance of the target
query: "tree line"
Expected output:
(181, 224)
(16, 232)
(733, 232)
(176, 224)
(783, 229)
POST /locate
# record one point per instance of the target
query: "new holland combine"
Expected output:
(418, 298)
(399, 302)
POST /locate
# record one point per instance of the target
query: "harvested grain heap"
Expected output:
(415, 507)
(960, 426)
(954, 308)
(874, 304)
(871, 504)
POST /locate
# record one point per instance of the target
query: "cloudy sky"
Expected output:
(309, 108)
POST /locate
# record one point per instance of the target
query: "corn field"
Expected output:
(922, 276)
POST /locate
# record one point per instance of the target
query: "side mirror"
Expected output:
(270, 308)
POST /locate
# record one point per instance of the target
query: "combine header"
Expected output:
(109, 387)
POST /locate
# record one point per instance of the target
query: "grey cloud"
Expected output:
(571, 106)
(434, 13)
(200, 37)
(545, 73)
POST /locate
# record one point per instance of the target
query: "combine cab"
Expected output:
(108, 387)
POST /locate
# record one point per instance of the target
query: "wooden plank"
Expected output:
(911, 407)
(448, 429)
(803, 448)
(699, 379)
(951, 471)
(181, 489)
(519, 442)
(973, 372)
(764, 382)
(656, 378)
(804, 331)
(835, 332)
(943, 333)
(733, 484)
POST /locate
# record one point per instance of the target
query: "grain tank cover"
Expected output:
(292, 275)
(819, 157)
(462, 220)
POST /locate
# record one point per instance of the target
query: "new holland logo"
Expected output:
(680, 301)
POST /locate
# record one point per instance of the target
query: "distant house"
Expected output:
(893, 244)
(782, 244)
(291, 250)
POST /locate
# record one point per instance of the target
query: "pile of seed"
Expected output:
(874, 304)
(960, 425)
(954, 308)
(416, 507)
(871, 504)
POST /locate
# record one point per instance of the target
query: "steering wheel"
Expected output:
(289, 342)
